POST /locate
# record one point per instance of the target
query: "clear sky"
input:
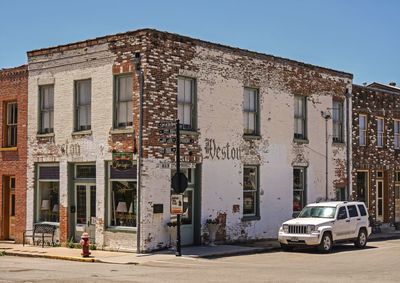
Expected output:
(357, 36)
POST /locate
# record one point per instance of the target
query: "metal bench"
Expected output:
(42, 231)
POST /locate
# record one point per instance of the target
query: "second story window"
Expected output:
(11, 126)
(123, 101)
(337, 120)
(186, 102)
(362, 130)
(83, 99)
(46, 103)
(250, 107)
(379, 132)
(300, 117)
(396, 134)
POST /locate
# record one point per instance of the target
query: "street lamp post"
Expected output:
(326, 115)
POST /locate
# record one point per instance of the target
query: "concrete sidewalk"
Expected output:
(64, 253)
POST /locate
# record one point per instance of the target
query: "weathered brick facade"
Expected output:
(218, 151)
(13, 88)
(376, 164)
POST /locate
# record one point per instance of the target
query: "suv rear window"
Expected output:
(352, 211)
(362, 210)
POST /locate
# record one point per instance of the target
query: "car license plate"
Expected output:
(294, 239)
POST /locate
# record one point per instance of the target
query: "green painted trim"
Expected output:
(197, 206)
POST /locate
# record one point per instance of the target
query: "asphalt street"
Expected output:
(379, 262)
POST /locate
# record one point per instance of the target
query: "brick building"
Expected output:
(254, 150)
(376, 149)
(13, 151)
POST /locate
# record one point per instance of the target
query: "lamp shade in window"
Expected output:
(121, 207)
(45, 205)
(55, 208)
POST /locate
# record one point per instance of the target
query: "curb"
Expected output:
(257, 250)
(377, 239)
(70, 258)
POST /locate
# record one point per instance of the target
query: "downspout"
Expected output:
(348, 144)
(139, 72)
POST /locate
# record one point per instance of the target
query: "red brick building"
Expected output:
(376, 149)
(13, 151)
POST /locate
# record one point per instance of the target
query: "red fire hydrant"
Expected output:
(85, 245)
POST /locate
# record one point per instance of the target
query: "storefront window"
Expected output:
(48, 191)
(250, 190)
(123, 198)
(299, 189)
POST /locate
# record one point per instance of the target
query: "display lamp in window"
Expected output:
(121, 210)
(45, 208)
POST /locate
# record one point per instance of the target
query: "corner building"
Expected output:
(253, 144)
(13, 152)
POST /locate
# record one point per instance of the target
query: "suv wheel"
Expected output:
(326, 243)
(361, 241)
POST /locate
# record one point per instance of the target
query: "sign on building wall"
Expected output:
(122, 160)
(176, 204)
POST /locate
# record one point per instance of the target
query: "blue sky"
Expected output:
(357, 36)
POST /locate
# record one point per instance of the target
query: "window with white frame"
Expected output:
(11, 126)
(379, 132)
(122, 197)
(186, 110)
(362, 130)
(337, 120)
(299, 188)
(46, 113)
(396, 127)
(47, 194)
(250, 111)
(300, 117)
(83, 101)
(123, 101)
(250, 190)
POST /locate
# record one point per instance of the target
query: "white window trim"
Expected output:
(380, 134)
(364, 131)
(396, 135)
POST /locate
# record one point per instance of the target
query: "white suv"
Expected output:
(322, 224)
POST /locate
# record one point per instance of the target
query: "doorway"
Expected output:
(187, 228)
(8, 208)
(85, 216)
(379, 200)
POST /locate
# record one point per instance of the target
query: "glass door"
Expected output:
(11, 226)
(85, 210)
(187, 218)
(379, 200)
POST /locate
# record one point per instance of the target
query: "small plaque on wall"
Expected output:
(158, 208)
